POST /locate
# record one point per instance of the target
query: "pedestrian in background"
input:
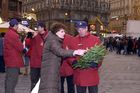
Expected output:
(2, 64)
(13, 50)
(138, 42)
(27, 55)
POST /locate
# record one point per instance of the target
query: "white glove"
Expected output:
(79, 52)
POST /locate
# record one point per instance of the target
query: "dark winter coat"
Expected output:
(50, 69)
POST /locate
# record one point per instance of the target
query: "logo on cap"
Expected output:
(81, 24)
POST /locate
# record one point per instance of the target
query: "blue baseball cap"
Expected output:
(13, 22)
(81, 24)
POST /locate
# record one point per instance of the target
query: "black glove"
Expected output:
(25, 50)
(94, 65)
(74, 62)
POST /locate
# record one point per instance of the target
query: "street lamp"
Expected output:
(66, 14)
(33, 9)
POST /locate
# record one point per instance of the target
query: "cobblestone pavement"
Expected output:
(23, 85)
(118, 74)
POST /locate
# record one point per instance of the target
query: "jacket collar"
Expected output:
(55, 36)
(87, 35)
(13, 29)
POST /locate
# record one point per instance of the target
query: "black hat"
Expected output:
(41, 24)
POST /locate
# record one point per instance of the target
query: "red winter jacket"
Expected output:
(37, 44)
(13, 48)
(66, 68)
(28, 44)
(85, 77)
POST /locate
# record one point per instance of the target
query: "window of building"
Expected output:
(39, 6)
(20, 4)
(13, 5)
(0, 4)
(42, 5)
(77, 3)
(47, 2)
(85, 4)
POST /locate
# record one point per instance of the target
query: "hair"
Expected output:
(55, 27)
(12, 25)
(29, 35)
(2, 34)
(139, 39)
(42, 25)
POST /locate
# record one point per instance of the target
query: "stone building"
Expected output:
(121, 11)
(10, 9)
(67, 10)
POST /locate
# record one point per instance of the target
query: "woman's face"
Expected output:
(61, 33)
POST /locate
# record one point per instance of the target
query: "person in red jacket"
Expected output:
(66, 70)
(37, 44)
(85, 78)
(13, 50)
(27, 55)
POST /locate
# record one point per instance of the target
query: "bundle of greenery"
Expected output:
(91, 58)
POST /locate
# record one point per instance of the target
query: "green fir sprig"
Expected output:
(95, 54)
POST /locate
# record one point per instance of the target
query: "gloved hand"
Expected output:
(79, 52)
(25, 50)
(74, 62)
(94, 65)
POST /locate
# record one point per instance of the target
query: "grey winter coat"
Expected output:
(52, 54)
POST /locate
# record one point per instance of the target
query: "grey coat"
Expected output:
(52, 54)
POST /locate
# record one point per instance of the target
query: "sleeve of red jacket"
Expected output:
(16, 43)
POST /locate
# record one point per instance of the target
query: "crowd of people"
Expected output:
(123, 45)
(51, 56)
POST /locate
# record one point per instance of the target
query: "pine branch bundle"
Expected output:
(95, 54)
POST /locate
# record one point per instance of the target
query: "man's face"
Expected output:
(40, 29)
(16, 27)
(82, 31)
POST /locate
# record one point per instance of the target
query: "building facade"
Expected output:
(67, 10)
(121, 11)
(10, 9)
